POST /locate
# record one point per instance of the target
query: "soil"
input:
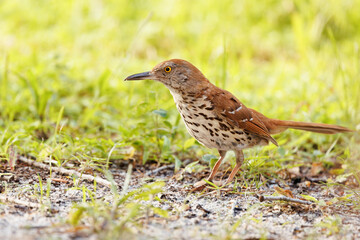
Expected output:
(218, 214)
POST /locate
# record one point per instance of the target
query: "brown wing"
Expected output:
(236, 114)
(269, 123)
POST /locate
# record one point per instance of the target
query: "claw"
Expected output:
(199, 186)
(200, 183)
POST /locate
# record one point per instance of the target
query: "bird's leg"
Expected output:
(239, 161)
(217, 165)
(201, 184)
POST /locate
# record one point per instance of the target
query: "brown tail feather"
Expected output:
(312, 127)
(277, 126)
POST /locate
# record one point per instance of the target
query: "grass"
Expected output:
(63, 62)
(122, 217)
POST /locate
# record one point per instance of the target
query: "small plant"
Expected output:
(119, 216)
(331, 225)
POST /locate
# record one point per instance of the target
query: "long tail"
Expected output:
(312, 127)
(277, 126)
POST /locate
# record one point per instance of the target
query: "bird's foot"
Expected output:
(199, 186)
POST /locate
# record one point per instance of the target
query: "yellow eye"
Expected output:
(167, 69)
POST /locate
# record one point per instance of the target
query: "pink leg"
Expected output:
(217, 165)
(201, 184)
(239, 161)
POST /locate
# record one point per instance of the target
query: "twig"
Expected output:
(68, 172)
(155, 171)
(283, 198)
(19, 202)
(160, 169)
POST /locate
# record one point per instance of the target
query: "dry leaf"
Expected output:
(316, 168)
(284, 192)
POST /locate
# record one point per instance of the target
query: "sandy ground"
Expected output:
(214, 214)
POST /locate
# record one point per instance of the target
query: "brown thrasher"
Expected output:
(216, 118)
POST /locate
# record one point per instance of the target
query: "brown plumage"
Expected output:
(216, 118)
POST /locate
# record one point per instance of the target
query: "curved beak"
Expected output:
(140, 76)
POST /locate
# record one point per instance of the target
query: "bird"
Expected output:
(216, 118)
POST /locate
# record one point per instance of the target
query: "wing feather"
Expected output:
(236, 114)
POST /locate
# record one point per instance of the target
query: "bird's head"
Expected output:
(175, 74)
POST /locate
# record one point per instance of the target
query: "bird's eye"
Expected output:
(167, 69)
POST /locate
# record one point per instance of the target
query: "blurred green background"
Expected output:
(63, 63)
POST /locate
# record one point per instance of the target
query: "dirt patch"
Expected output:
(214, 213)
